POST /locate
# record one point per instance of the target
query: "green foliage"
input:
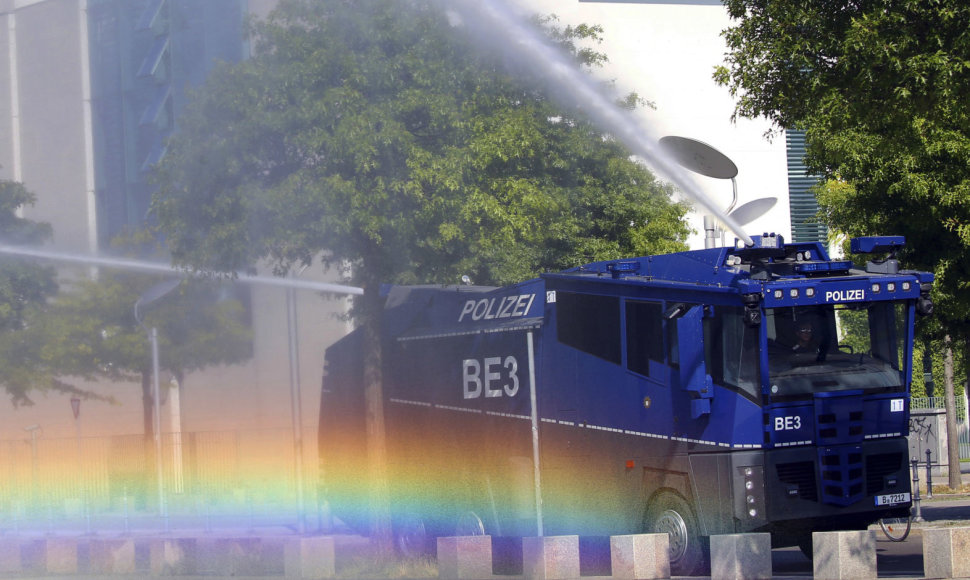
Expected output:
(25, 288)
(935, 348)
(375, 132)
(23, 285)
(881, 89)
(90, 332)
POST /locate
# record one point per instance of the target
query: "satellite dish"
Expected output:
(748, 212)
(699, 157)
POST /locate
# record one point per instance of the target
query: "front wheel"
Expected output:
(896, 529)
(670, 513)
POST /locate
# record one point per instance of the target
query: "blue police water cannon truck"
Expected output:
(760, 388)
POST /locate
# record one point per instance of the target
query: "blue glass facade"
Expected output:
(805, 226)
(145, 55)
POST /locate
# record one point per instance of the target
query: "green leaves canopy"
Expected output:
(23, 284)
(374, 132)
(882, 89)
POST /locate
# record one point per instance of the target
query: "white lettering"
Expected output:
(492, 376)
(471, 372)
(469, 306)
(513, 366)
(480, 309)
(490, 309)
(845, 295)
(501, 376)
(506, 310)
(490, 315)
(522, 304)
(790, 423)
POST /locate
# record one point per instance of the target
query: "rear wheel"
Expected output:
(671, 514)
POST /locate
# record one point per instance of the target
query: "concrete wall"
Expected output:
(50, 67)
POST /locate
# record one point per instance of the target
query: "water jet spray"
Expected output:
(494, 22)
(163, 268)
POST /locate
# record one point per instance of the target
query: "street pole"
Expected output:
(76, 409)
(151, 295)
(296, 406)
(33, 460)
(158, 428)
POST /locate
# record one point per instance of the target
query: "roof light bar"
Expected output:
(876, 244)
(823, 267)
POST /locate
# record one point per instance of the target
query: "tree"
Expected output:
(25, 288)
(374, 132)
(881, 89)
(91, 334)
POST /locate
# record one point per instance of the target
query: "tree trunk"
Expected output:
(374, 412)
(952, 436)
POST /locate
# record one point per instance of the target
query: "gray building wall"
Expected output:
(51, 140)
(45, 108)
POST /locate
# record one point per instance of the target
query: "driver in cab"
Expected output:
(802, 345)
(807, 347)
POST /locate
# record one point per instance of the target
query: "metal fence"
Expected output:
(963, 425)
(206, 477)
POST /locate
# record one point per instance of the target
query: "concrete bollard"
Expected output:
(740, 556)
(465, 557)
(242, 556)
(60, 555)
(850, 555)
(10, 558)
(640, 556)
(309, 557)
(550, 558)
(112, 556)
(946, 552)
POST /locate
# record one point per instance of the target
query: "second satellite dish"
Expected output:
(748, 212)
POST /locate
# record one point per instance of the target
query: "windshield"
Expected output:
(835, 348)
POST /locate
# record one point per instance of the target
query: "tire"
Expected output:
(411, 537)
(896, 529)
(670, 513)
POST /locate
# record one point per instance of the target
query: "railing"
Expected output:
(963, 429)
(243, 477)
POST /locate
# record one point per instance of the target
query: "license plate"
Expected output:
(892, 498)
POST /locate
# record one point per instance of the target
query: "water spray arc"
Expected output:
(494, 22)
(162, 268)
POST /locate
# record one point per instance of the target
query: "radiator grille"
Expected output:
(878, 467)
(801, 476)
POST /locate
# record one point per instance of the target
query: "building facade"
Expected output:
(89, 91)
